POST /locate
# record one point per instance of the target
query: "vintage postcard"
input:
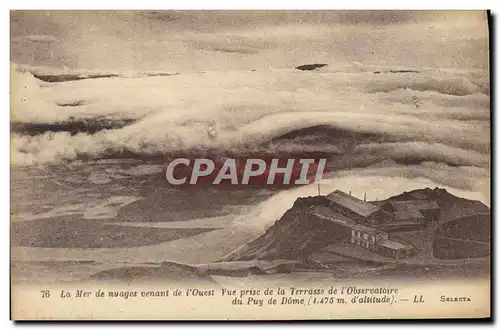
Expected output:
(250, 165)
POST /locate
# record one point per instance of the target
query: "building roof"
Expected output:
(418, 204)
(365, 229)
(393, 245)
(333, 216)
(407, 215)
(352, 203)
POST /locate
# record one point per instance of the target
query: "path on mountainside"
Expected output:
(463, 240)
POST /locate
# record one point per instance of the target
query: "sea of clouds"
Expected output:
(441, 117)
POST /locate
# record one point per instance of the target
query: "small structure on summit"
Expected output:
(418, 210)
(357, 209)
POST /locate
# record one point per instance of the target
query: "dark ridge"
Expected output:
(349, 160)
(234, 50)
(397, 71)
(404, 71)
(84, 125)
(310, 67)
(56, 262)
(328, 134)
(162, 74)
(73, 104)
(53, 78)
(417, 160)
(443, 198)
(214, 154)
(72, 77)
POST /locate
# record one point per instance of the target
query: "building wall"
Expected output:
(395, 227)
(369, 241)
(366, 240)
(394, 253)
(381, 217)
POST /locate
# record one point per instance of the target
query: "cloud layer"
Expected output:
(221, 40)
(249, 109)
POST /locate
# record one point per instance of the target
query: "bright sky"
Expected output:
(229, 40)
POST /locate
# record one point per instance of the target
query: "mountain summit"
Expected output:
(424, 226)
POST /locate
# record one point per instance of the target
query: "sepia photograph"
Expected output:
(250, 164)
